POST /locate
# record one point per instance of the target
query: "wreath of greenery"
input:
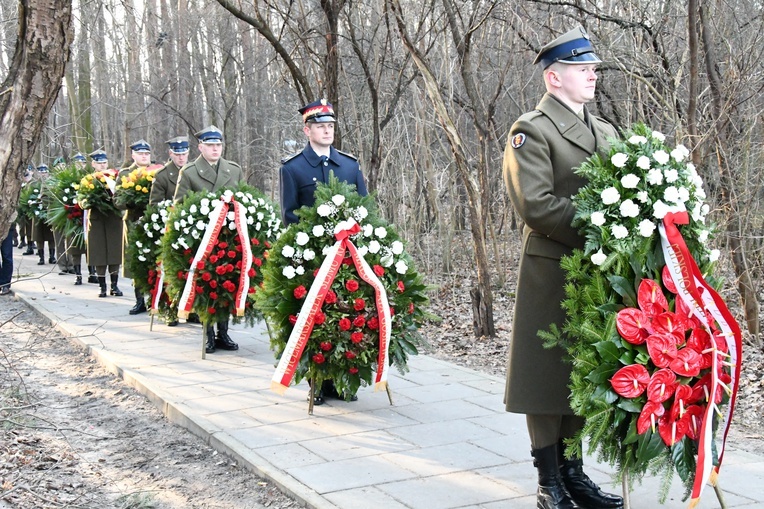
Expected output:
(64, 211)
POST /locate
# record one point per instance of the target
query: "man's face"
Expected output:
(142, 158)
(576, 83)
(211, 151)
(180, 160)
(320, 134)
(100, 165)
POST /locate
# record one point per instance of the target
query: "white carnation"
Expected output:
(599, 258)
(646, 228)
(660, 156)
(598, 218)
(637, 140)
(619, 159)
(201, 225)
(643, 162)
(300, 270)
(660, 209)
(288, 272)
(401, 267)
(642, 196)
(655, 177)
(325, 250)
(386, 260)
(338, 199)
(713, 255)
(287, 251)
(671, 195)
(397, 247)
(629, 209)
(318, 230)
(142, 258)
(629, 181)
(192, 209)
(308, 254)
(374, 247)
(671, 175)
(619, 231)
(361, 213)
(363, 250)
(368, 230)
(610, 196)
(380, 232)
(680, 153)
(659, 136)
(301, 238)
(324, 210)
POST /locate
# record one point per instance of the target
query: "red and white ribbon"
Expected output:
(156, 295)
(704, 301)
(303, 327)
(218, 218)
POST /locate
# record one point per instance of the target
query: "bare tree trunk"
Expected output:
(745, 284)
(29, 91)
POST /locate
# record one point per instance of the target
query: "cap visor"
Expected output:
(586, 58)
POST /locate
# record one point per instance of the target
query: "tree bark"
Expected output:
(29, 91)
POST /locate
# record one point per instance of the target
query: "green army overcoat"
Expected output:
(165, 181)
(200, 176)
(129, 218)
(543, 148)
(104, 238)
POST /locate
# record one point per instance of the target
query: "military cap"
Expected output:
(141, 146)
(98, 156)
(178, 145)
(79, 157)
(572, 47)
(318, 111)
(210, 134)
(43, 168)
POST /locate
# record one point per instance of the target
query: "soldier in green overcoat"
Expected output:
(141, 154)
(210, 172)
(543, 148)
(104, 235)
(166, 179)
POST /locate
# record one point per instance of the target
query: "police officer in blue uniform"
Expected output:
(301, 172)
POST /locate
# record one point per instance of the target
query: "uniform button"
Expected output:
(326, 163)
(314, 179)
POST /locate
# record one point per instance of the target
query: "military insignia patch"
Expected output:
(518, 140)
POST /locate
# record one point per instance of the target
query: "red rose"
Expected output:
(292, 319)
(220, 270)
(267, 244)
(350, 355)
(300, 292)
(181, 274)
(351, 285)
(318, 358)
(200, 265)
(211, 310)
(255, 242)
(223, 245)
(325, 346)
(231, 254)
(319, 318)
(356, 337)
(401, 287)
(251, 289)
(238, 265)
(353, 370)
(347, 261)
(238, 248)
(199, 289)
(344, 324)
(330, 298)
(251, 272)
(379, 270)
(359, 304)
(213, 259)
(229, 268)
(257, 261)
(372, 323)
(359, 321)
(213, 284)
(213, 295)
(206, 276)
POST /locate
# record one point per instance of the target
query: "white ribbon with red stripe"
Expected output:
(303, 327)
(156, 296)
(703, 301)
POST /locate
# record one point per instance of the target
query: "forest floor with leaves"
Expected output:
(75, 435)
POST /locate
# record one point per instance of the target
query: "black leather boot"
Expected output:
(52, 257)
(102, 284)
(551, 493)
(581, 488)
(77, 275)
(140, 304)
(114, 288)
(30, 249)
(41, 254)
(210, 345)
(92, 277)
(224, 341)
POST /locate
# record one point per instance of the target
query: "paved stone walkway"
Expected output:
(446, 442)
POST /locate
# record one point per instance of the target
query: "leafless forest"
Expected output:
(426, 92)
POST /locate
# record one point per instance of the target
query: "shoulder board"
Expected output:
(351, 156)
(289, 158)
(531, 115)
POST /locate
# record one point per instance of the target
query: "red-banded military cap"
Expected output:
(318, 111)
(572, 47)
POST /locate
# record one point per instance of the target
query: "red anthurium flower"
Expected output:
(633, 325)
(682, 396)
(721, 343)
(300, 292)
(351, 285)
(668, 323)
(359, 304)
(318, 358)
(344, 324)
(630, 381)
(662, 386)
(693, 419)
(700, 341)
(662, 349)
(649, 416)
(671, 431)
(325, 346)
(684, 314)
(650, 297)
(667, 280)
(686, 363)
